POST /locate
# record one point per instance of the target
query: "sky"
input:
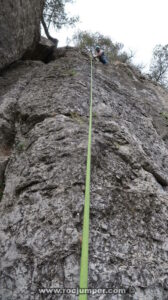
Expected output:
(138, 24)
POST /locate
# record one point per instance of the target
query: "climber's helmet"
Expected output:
(97, 48)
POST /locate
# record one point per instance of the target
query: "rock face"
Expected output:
(44, 51)
(19, 28)
(44, 125)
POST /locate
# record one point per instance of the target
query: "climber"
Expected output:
(100, 55)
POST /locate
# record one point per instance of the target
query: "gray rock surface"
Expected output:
(43, 133)
(45, 51)
(19, 28)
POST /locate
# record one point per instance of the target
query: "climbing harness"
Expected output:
(85, 235)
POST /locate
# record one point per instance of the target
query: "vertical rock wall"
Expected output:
(43, 133)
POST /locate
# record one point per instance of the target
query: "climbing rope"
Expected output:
(85, 235)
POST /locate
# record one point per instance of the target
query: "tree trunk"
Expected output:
(55, 41)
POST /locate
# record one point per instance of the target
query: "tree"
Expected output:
(159, 65)
(88, 41)
(54, 14)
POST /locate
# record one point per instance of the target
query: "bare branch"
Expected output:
(55, 41)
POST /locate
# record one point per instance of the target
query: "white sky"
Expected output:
(138, 24)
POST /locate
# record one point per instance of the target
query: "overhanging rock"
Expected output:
(19, 28)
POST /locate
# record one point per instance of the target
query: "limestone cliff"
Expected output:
(43, 145)
(19, 28)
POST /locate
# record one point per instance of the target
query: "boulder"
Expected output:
(19, 28)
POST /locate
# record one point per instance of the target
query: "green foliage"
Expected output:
(94, 115)
(159, 65)
(20, 146)
(54, 13)
(68, 72)
(117, 146)
(76, 117)
(164, 114)
(71, 72)
(88, 41)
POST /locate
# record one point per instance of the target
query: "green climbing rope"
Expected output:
(85, 235)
